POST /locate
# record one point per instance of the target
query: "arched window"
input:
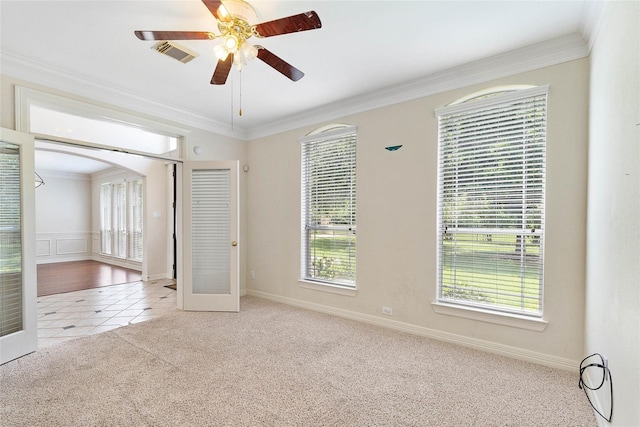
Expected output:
(491, 184)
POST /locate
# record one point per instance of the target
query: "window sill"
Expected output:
(326, 287)
(513, 320)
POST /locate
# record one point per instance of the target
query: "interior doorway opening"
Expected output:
(94, 208)
(132, 144)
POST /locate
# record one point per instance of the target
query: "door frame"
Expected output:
(25, 341)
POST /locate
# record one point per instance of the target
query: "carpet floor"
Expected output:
(276, 365)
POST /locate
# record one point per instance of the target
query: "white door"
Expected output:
(211, 279)
(18, 286)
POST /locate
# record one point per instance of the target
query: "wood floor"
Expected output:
(63, 277)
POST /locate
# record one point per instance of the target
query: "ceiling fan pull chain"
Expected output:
(240, 112)
(231, 110)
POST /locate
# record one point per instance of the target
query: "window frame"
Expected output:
(467, 308)
(118, 225)
(329, 136)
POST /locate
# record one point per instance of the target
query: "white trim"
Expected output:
(459, 107)
(24, 341)
(592, 15)
(73, 176)
(548, 53)
(122, 262)
(25, 97)
(490, 316)
(475, 343)
(81, 85)
(328, 287)
(327, 128)
(334, 132)
(157, 276)
(551, 52)
(489, 91)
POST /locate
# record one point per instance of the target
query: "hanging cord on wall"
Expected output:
(585, 384)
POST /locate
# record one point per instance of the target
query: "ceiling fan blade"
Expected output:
(291, 24)
(279, 64)
(218, 10)
(222, 71)
(174, 35)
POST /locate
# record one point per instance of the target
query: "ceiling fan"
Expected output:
(233, 18)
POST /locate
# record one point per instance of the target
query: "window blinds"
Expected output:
(491, 181)
(119, 194)
(329, 206)
(10, 241)
(105, 219)
(136, 219)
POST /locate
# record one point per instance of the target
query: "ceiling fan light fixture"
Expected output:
(246, 53)
(234, 17)
(237, 9)
(231, 43)
(221, 51)
(223, 15)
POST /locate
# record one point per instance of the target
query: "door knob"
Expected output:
(234, 243)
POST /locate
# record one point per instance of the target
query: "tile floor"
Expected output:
(63, 317)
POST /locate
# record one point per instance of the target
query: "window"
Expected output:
(136, 219)
(11, 310)
(121, 219)
(105, 219)
(329, 207)
(491, 183)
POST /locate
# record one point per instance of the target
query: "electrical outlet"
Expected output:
(252, 274)
(387, 310)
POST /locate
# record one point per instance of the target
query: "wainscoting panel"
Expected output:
(43, 248)
(71, 246)
(61, 247)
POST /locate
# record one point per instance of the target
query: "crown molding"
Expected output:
(592, 14)
(540, 55)
(551, 52)
(22, 68)
(58, 174)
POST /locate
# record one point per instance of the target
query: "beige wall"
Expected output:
(396, 216)
(613, 262)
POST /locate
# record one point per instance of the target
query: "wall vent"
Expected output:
(175, 51)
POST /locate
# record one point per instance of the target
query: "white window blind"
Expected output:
(491, 183)
(10, 240)
(122, 219)
(329, 207)
(105, 219)
(136, 219)
(119, 194)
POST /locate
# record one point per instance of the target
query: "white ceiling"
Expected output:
(367, 53)
(50, 161)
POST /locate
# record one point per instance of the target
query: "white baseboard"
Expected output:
(488, 346)
(158, 276)
(120, 263)
(55, 260)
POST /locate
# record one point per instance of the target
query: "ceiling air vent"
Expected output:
(175, 51)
